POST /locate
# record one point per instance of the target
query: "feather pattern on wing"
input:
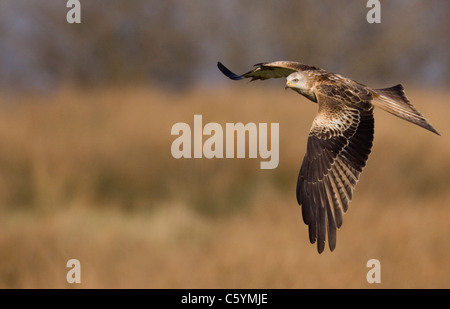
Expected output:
(338, 147)
(267, 70)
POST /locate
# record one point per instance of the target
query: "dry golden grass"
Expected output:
(89, 175)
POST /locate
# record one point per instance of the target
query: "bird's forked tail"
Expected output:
(394, 101)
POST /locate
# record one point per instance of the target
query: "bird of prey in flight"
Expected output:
(340, 139)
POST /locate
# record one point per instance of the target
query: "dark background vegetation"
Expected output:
(177, 43)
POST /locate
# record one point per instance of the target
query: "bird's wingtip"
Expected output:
(227, 72)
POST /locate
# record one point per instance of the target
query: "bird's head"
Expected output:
(295, 81)
(300, 83)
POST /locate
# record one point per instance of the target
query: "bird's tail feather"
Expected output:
(394, 101)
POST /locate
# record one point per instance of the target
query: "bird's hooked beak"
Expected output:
(288, 85)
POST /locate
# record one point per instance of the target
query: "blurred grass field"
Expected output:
(88, 174)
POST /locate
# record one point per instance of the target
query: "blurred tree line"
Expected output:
(175, 43)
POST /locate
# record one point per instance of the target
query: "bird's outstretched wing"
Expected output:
(339, 144)
(268, 70)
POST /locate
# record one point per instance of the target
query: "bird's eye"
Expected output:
(295, 80)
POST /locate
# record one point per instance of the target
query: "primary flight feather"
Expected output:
(340, 139)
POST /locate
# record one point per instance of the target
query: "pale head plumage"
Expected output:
(301, 83)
